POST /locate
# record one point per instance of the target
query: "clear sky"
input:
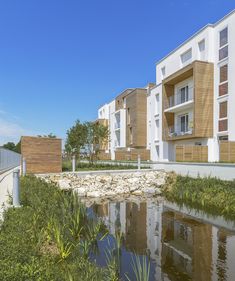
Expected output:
(61, 59)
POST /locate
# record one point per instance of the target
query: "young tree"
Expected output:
(76, 139)
(97, 136)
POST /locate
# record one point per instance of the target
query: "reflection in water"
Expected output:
(181, 247)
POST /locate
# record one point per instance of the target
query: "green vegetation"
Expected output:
(83, 166)
(215, 196)
(51, 238)
(89, 137)
(13, 147)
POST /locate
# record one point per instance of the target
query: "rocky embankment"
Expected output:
(110, 184)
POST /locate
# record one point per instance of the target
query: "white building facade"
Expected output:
(181, 110)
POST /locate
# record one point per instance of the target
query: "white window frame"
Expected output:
(188, 60)
(223, 46)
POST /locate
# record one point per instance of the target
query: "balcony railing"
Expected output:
(177, 131)
(179, 98)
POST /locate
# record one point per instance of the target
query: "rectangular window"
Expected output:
(223, 108)
(223, 125)
(128, 116)
(223, 53)
(223, 73)
(201, 48)
(157, 104)
(184, 123)
(186, 57)
(163, 70)
(157, 130)
(131, 136)
(184, 94)
(223, 37)
(223, 87)
(223, 116)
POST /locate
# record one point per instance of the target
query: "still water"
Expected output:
(181, 244)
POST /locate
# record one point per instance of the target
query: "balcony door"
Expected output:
(184, 94)
(184, 123)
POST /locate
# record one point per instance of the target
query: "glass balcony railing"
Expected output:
(179, 130)
(183, 96)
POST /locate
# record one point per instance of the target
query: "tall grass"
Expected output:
(215, 196)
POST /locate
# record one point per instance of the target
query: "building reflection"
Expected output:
(181, 247)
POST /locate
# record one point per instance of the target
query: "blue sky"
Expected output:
(61, 59)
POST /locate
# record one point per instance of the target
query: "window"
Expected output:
(223, 116)
(201, 48)
(186, 57)
(223, 44)
(184, 94)
(223, 37)
(184, 123)
(223, 138)
(223, 73)
(157, 130)
(223, 107)
(223, 87)
(128, 116)
(157, 104)
(223, 53)
(163, 70)
(131, 136)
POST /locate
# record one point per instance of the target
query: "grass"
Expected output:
(82, 166)
(50, 237)
(215, 196)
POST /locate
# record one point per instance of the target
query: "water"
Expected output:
(180, 246)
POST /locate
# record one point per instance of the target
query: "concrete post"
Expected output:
(16, 188)
(139, 162)
(24, 167)
(73, 163)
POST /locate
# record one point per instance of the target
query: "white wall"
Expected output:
(112, 128)
(172, 63)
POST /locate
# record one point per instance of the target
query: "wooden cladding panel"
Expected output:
(203, 99)
(227, 151)
(42, 155)
(191, 153)
(119, 101)
(132, 155)
(104, 156)
(136, 105)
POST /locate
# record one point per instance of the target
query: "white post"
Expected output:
(24, 167)
(73, 163)
(16, 188)
(139, 161)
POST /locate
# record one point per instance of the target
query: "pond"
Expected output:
(180, 243)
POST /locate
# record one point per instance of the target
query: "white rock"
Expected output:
(64, 184)
(81, 191)
(94, 194)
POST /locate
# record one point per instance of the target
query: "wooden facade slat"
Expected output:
(191, 153)
(42, 155)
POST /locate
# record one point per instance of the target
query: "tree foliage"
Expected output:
(13, 147)
(89, 136)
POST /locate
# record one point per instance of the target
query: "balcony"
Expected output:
(198, 99)
(178, 131)
(182, 100)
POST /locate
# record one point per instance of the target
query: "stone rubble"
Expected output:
(109, 185)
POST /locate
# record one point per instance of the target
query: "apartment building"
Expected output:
(126, 117)
(190, 111)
